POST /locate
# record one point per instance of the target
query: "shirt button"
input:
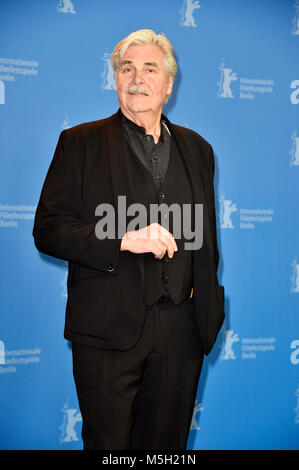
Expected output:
(110, 268)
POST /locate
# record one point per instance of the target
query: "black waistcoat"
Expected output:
(174, 275)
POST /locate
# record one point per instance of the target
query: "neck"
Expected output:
(151, 122)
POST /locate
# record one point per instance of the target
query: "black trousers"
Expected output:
(142, 398)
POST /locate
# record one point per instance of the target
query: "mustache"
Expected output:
(135, 89)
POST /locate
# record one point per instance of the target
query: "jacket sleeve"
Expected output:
(213, 208)
(59, 229)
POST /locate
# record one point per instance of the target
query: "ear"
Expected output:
(169, 87)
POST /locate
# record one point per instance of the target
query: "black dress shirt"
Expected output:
(155, 157)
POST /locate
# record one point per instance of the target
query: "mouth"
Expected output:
(138, 94)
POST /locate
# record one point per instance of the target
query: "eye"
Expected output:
(127, 69)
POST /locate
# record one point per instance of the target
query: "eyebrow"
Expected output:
(152, 64)
(124, 62)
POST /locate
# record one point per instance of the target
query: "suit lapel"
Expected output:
(192, 165)
(198, 179)
(118, 158)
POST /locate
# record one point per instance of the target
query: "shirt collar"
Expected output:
(138, 129)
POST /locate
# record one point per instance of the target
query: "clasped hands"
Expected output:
(151, 239)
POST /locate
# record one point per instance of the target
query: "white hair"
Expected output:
(146, 36)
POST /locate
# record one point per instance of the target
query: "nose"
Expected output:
(138, 77)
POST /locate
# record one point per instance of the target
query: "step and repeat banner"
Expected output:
(237, 86)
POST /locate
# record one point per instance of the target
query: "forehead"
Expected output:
(142, 53)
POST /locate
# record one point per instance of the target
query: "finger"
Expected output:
(165, 234)
(169, 235)
(159, 249)
(171, 246)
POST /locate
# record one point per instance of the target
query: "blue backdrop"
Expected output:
(238, 86)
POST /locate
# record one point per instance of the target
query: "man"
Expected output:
(142, 309)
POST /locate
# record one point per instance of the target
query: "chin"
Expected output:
(138, 107)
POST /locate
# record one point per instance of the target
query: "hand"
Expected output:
(151, 239)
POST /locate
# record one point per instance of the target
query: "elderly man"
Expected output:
(142, 308)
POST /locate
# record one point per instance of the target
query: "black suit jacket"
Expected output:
(105, 305)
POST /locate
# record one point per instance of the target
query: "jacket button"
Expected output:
(165, 277)
(110, 268)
